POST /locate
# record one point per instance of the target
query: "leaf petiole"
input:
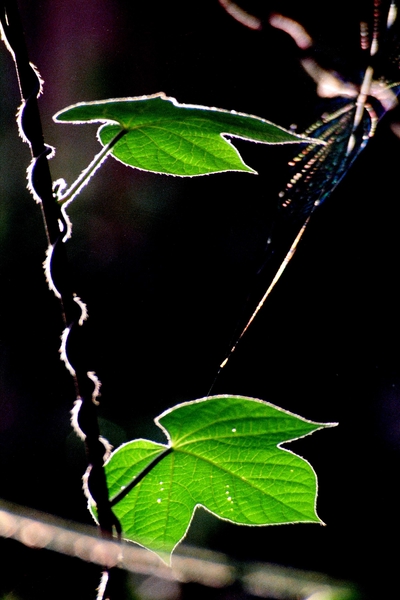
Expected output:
(90, 170)
(141, 476)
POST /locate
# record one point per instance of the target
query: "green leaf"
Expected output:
(166, 137)
(223, 454)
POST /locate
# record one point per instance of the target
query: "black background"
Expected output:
(165, 266)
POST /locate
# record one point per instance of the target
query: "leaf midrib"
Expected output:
(233, 421)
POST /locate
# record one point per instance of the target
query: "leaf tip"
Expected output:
(250, 170)
(166, 557)
(328, 425)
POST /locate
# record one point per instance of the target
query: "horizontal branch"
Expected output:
(189, 565)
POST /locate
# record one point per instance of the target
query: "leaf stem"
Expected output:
(90, 170)
(141, 476)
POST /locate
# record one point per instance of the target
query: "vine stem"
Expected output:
(90, 170)
(40, 184)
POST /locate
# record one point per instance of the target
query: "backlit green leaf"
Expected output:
(223, 454)
(166, 137)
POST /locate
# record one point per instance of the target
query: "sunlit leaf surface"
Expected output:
(223, 454)
(166, 137)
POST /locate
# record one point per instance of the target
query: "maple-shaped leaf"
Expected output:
(156, 133)
(223, 454)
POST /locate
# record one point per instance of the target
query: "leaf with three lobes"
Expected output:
(163, 136)
(223, 454)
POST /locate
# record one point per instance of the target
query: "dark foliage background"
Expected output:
(165, 266)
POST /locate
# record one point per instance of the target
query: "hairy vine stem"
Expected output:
(56, 225)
